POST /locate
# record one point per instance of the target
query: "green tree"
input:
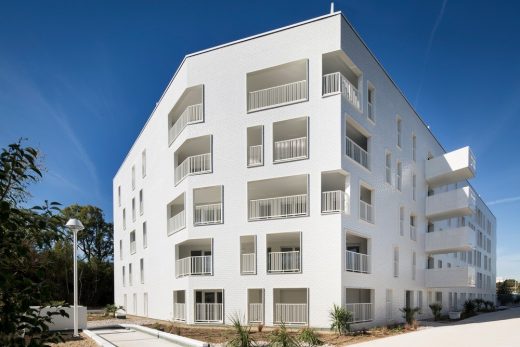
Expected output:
(24, 234)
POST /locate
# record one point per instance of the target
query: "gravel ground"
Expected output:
(83, 341)
(114, 321)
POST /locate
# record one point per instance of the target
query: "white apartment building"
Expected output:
(286, 172)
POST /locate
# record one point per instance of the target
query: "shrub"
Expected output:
(478, 303)
(309, 337)
(469, 308)
(111, 309)
(436, 310)
(340, 319)
(242, 336)
(280, 338)
(260, 327)
(409, 314)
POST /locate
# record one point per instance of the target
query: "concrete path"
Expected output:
(132, 338)
(495, 329)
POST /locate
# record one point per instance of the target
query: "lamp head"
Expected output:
(74, 225)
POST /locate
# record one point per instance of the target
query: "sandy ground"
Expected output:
(83, 341)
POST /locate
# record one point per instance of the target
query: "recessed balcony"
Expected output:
(335, 192)
(193, 158)
(208, 202)
(451, 240)
(188, 110)
(255, 146)
(356, 257)
(282, 197)
(460, 277)
(284, 252)
(356, 145)
(176, 215)
(255, 299)
(179, 305)
(453, 203)
(290, 140)
(291, 306)
(359, 302)
(277, 86)
(209, 306)
(366, 207)
(194, 258)
(451, 167)
(248, 255)
(341, 76)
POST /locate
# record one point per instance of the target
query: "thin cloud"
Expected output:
(504, 201)
(429, 48)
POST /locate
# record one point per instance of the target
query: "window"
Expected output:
(401, 220)
(414, 265)
(413, 231)
(120, 249)
(399, 177)
(145, 236)
(124, 219)
(438, 297)
(133, 209)
(414, 148)
(132, 242)
(370, 102)
(439, 264)
(141, 202)
(141, 268)
(389, 168)
(366, 204)
(133, 177)
(396, 261)
(143, 163)
(119, 196)
(124, 277)
(414, 186)
(389, 294)
(420, 299)
(399, 132)
(130, 274)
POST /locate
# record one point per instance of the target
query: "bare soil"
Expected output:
(81, 341)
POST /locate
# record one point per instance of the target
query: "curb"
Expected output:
(185, 341)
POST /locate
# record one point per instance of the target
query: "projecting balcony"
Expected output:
(450, 277)
(452, 240)
(197, 164)
(454, 203)
(334, 202)
(277, 86)
(188, 110)
(335, 83)
(451, 167)
(291, 306)
(193, 157)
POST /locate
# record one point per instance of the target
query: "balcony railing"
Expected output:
(290, 149)
(208, 214)
(413, 233)
(199, 265)
(290, 313)
(132, 247)
(256, 313)
(361, 312)
(277, 96)
(196, 164)
(256, 155)
(192, 114)
(177, 222)
(337, 83)
(366, 211)
(248, 263)
(357, 153)
(208, 312)
(357, 262)
(283, 261)
(179, 311)
(279, 207)
(334, 201)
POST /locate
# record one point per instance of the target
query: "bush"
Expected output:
(409, 314)
(469, 308)
(478, 303)
(309, 337)
(260, 327)
(436, 310)
(110, 309)
(340, 319)
(280, 338)
(242, 336)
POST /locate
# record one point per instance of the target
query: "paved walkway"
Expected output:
(495, 329)
(132, 338)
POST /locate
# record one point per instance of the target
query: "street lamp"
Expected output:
(75, 225)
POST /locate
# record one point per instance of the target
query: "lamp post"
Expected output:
(75, 225)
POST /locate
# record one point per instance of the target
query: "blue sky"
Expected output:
(79, 79)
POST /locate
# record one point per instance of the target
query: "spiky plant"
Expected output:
(436, 310)
(409, 314)
(242, 336)
(280, 338)
(340, 319)
(309, 337)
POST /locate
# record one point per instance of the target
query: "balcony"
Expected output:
(176, 215)
(461, 277)
(356, 152)
(360, 303)
(454, 203)
(334, 202)
(413, 233)
(197, 164)
(366, 211)
(193, 157)
(248, 263)
(179, 305)
(208, 214)
(255, 146)
(255, 300)
(189, 109)
(291, 306)
(460, 239)
(200, 265)
(335, 83)
(291, 149)
(283, 261)
(255, 155)
(357, 262)
(248, 255)
(283, 252)
(341, 76)
(277, 86)
(209, 306)
(451, 167)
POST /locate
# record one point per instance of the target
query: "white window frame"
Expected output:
(141, 270)
(388, 166)
(133, 177)
(141, 202)
(130, 280)
(119, 196)
(399, 176)
(143, 163)
(396, 262)
(145, 235)
(399, 128)
(414, 186)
